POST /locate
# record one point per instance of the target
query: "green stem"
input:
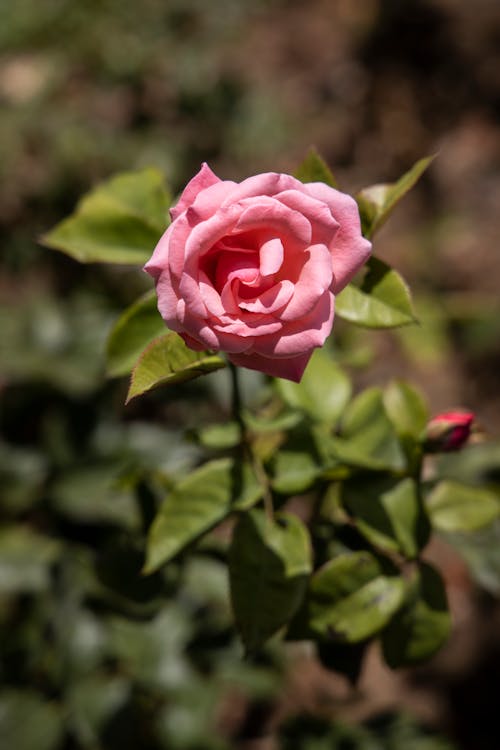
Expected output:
(236, 401)
(245, 445)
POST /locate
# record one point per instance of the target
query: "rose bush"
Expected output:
(252, 269)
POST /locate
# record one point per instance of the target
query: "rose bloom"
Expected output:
(252, 268)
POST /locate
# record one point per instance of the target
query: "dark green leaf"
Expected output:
(367, 436)
(323, 392)
(315, 169)
(388, 513)
(377, 202)
(381, 301)
(132, 332)
(120, 221)
(168, 360)
(456, 507)
(269, 562)
(423, 624)
(350, 600)
(197, 504)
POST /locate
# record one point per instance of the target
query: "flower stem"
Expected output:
(245, 445)
(236, 401)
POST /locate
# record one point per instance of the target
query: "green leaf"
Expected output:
(423, 624)
(197, 504)
(294, 471)
(138, 325)
(269, 561)
(120, 221)
(367, 437)
(405, 408)
(28, 722)
(323, 392)
(219, 436)
(481, 551)
(315, 169)
(377, 202)
(388, 513)
(25, 557)
(350, 600)
(168, 360)
(381, 301)
(453, 506)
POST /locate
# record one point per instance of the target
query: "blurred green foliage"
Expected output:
(94, 656)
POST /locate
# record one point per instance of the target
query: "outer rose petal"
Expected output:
(302, 335)
(291, 368)
(200, 181)
(349, 248)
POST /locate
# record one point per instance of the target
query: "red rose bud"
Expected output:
(448, 431)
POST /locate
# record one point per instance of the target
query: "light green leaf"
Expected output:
(323, 392)
(381, 301)
(315, 169)
(168, 360)
(269, 562)
(388, 513)
(294, 471)
(120, 221)
(456, 507)
(197, 504)
(350, 600)
(377, 202)
(367, 437)
(405, 408)
(219, 436)
(423, 624)
(138, 325)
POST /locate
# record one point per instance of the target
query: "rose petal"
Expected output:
(302, 335)
(208, 201)
(252, 325)
(269, 214)
(349, 249)
(210, 296)
(271, 300)
(271, 256)
(200, 181)
(324, 226)
(267, 183)
(291, 368)
(314, 279)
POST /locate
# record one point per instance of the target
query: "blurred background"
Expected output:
(93, 656)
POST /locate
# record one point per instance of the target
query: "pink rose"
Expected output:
(252, 269)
